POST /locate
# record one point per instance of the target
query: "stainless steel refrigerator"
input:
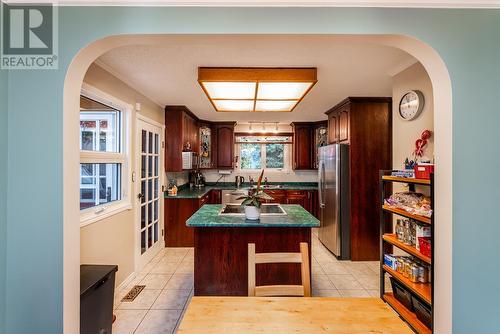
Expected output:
(333, 189)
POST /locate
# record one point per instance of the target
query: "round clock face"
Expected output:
(411, 105)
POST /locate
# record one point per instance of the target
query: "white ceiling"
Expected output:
(167, 72)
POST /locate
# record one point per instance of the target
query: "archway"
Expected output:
(441, 82)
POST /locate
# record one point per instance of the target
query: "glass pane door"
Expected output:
(149, 161)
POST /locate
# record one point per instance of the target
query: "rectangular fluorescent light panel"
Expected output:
(282, 90)
(230, 90)
(256, 89)
(269, 105)
(233, 105)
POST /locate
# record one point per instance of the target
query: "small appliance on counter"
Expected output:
(239, 180)
(196, 179)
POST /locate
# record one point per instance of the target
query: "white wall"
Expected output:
(111, 240)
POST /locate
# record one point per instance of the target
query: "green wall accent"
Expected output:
(467, 40)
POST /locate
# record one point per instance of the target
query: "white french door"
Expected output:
(149, 200)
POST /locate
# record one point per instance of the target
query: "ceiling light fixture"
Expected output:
(256, 88)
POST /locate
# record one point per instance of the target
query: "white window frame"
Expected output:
(287, 159)
(99, 212)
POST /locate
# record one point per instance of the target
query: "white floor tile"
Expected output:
(127, 321)
(358, 293)
(171, 300)
(345, 282)
(185, 268)
(159, 322)
(163, 267)
(369, 282)
(143, 301)
(180, 282)
(326, 293)
(321, 282)
(155, 281)
(334, 268)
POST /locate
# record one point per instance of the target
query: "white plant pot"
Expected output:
(252, 212)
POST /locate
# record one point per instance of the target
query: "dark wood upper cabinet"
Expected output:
(302, 145)
(175, 128)
(225, 144)
(320, 139)
(307, 138)
(365, 123)
(343, 125)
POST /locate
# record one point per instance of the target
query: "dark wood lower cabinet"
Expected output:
(306, 198)
(177, 211)
(221, 258)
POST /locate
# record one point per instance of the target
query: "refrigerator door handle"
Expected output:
(321, 174)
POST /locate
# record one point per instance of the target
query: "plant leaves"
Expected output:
(260, 180)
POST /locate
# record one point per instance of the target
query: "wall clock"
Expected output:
(411, 105)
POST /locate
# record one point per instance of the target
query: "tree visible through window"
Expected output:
(258, 156)
(275, 155)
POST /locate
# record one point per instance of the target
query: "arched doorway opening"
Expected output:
(441, 82)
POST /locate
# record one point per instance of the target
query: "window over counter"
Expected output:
(258, 152)
(104, 159)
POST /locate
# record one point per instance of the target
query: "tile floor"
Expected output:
(169, 287)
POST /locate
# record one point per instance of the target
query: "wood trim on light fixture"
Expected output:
(257, 75)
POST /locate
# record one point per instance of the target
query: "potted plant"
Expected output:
(253, 201)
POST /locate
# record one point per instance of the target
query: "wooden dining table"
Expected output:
(278, 315)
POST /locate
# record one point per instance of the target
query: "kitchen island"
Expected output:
(221, 248)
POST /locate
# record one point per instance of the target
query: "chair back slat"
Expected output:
(279, 290)
(278, 258)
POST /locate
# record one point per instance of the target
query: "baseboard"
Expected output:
(126, 281)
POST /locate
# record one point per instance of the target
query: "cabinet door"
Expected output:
(297, 197)
(303, 143)
(225, 146)
(177, 211)
(332, 128)
(215, 197)
(279, 196)
(320, 139)
(343, 121)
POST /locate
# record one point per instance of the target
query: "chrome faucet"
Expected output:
(265, 181)
(250, 179)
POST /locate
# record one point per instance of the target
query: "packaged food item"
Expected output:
(412, 202)
(421, 231)
(400, 230)
(390, 261)
(414, 273)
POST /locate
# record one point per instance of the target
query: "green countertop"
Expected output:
(186, 192)
(208, 216)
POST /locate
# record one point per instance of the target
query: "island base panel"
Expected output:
(221, 258)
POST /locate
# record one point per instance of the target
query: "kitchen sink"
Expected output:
(270, 186)
(266, 210)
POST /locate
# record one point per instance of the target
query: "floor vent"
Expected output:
(133, 293)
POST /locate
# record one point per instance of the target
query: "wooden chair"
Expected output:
(279, 290)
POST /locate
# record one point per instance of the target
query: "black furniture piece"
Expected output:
(97, 287)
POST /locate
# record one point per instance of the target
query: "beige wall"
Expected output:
(405, 133)
(112, 240)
